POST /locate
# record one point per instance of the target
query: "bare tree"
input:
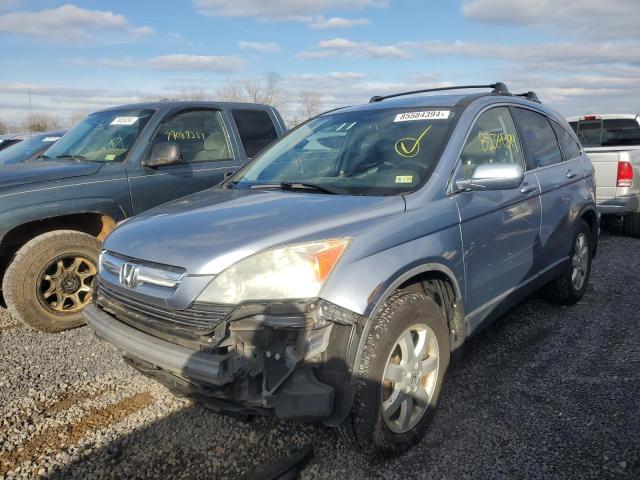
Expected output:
(265, 89)
(76, 117)
(41, 122)
(310, 104)
(193, 93)
(3, 127)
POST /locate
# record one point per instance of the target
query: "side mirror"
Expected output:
(164, 154)
(493, 176)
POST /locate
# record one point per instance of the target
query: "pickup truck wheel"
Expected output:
(48, 283)
(569, 287)
(405, 358)
(631, 225)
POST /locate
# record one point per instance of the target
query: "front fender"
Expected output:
(21, 215)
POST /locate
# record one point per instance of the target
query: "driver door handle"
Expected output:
(526, 189)
(571, 174)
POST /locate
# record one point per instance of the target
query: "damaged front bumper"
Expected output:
(282, 360)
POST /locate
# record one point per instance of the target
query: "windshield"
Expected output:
(21, 151)
(368, 152)
(102, 137)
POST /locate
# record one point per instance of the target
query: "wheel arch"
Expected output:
(590, 215)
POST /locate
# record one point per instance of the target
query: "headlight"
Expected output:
(290, 272)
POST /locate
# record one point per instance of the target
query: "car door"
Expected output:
(206, 154)
(500, 228)
(561, 182)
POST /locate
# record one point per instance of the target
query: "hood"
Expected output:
(209, 231)
(44, 171)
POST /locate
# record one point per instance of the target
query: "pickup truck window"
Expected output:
(613, 132)
(540, 141)
(492, 139)
(256, 130)
(200, 135)
(102, 137)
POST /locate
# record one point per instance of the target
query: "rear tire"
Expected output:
(571, 285)
(378, 423)
(631, 224)
(48, 281)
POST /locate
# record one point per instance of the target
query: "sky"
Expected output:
(579, 56)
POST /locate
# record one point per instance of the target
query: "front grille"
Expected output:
(199, 319)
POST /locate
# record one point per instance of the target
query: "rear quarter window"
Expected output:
(256, 130)
(570, 149)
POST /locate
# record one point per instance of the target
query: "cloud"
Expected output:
(69, 23)
(342, 46)
(338, 43)
(265, 47)
(197, 62)
(280, 9)
(322, 23)
(558, 55)
(590, 18)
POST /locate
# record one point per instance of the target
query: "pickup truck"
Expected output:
(55, 211)
(612, 142)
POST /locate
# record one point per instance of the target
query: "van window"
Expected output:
(256, 130)
(540, 141)
(200, 134)
(570, 149)
(492, 139)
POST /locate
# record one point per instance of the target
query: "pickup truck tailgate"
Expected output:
(605, 161)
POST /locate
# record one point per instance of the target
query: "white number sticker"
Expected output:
(50, 139)
(426, 115)
(124, 120)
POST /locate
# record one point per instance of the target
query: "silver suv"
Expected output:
(333, 276)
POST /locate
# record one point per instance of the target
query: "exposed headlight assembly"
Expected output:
(291, 272)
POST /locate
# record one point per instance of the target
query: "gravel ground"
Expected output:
(545, 392)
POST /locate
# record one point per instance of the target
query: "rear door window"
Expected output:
(256, 130)
(540, 141)
(570, 149)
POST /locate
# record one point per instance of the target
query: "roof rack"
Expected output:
(529, 96)
(498, 88)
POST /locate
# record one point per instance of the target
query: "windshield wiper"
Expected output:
(301, 186)
(77, 158)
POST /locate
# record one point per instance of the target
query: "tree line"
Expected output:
(266, 89)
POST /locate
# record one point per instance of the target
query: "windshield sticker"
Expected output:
(410, 147)
(183, 135)
(404, 179)
(426, 115)
(50, 139)
(124, 120)
(490, 142)
(109, 157)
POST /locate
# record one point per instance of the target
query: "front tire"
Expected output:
(48, 283)
(400, 377)
(571, 285)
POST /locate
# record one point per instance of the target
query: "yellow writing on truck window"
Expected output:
(173, 135)
(490, 142)
(409, 146)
